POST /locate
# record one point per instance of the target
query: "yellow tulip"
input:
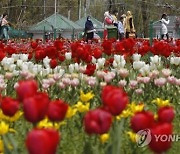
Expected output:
(11, 119)
(86, 97)
(104, 138)
(136, 108)
(124, 114)
(161, 103)
(81, 107)
(132, 136)
(70, 112)
(45, 124)
(4, 128)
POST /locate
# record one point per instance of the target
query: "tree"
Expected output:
(145, 17)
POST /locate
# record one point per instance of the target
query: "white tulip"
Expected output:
(15, 56)
(4, 60)
(46, 61)
(175, 60)
(19, 62)
(122, 63)
(153, 66)
(93, 60)
(24, 57)
(117, 58)
(115, 65)
(35, 70)
(138, 64)
(16, 73)
(61, 72)
(71, 68)
(136, 57)
(101, 62)
(24, 67)
(76, 67)
(145, 70)
(11, 60)
(102, 84)
(68, 55)
(12, 67)
(156, 59)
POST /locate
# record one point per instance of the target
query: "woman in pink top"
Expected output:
(4, 26)
(108, 22)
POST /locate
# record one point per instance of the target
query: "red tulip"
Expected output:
(10, 50)
(9, 106)
(42, 141)
(88, 59)
(58, 44)
(144, 49)
(57, 110)
(97, 121)
(34, 44)
(61, 58)
(120, 48)
(107, 46)
(83, 53)
(39, 54)
(51, 52)
(35, 107)
(97, 53)
(115, 99)
(160, 134)
(142, 120)
(26, 89)
(128, 44)
(53, 63)
(90, 69)
(30, 55)
(166, 114)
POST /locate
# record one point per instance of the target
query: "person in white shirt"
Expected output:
(164, 22)
(121, 29)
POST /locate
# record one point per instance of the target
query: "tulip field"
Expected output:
(74, 97)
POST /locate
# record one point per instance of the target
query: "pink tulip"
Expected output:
(160, 82)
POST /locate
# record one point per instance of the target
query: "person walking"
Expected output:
(108, 23)
(5, 26)
(129, 25)
(89, 29)
(164, 22)
(121, 30)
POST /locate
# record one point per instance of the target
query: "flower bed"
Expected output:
(73, 97)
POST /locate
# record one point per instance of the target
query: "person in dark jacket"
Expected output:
(89, 29)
